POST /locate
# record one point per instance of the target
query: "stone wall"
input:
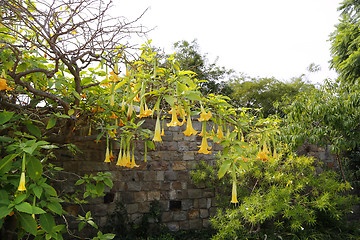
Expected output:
(165, 177)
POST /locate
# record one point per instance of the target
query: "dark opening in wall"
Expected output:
(109, 197)
(175, 205)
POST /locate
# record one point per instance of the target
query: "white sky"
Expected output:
(264, 38)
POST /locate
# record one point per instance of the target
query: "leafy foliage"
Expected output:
(264, 93)
(281, 197)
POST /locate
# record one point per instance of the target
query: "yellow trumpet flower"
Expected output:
(107, 154)
(22, 182)
(144, 111)
(3, 85)
(189, 128)
(219, 133)
(157, 135)
(130, 110)
(204, 116)
(234, 193)
(128, 163)
(204, 147)
(118, 163)
(174, 120)
(133, 164)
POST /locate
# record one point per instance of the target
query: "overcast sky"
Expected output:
(277, 38)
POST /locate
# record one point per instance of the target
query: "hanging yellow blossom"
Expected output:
(130, 110)
(137, 98)
(107, 155)
(22, 176)
(128, 162)
(133, 164)
(113, 116)
(157, 135)
(22, 182)
(189, 128)
(219, 133)
(204, 116)
(111, 157)
(263, 154)
(174, 120)
(144, 111)
(119, 162)
(234, 193)
(204, 147)
(3, 85)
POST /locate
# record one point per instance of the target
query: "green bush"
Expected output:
(288, 198)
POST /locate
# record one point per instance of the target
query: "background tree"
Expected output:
(48, 46)
(190, 57)
(345, 49)
(265, 92)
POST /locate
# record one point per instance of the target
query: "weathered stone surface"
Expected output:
(179, 165)
(167, 216)
(187, 204)
(202, 203)
(154, 195)
(204, 213)
(160, 176)
(149, 176)
(193, 214)
(188, 155)
(164, 177)
(195, 224)
(147, 186)
(159, 165)
(170, 176)
(194, 193)
(140, 196)
(176, 185)
(173, 226)
(132, 208)
(133, 186)
(184, 225)
(179, 215)
(144, 207)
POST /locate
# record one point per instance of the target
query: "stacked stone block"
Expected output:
(165, 177)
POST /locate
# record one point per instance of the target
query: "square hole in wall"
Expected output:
(175, 205)
(109, 197)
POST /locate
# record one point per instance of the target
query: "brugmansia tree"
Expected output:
(66, 56)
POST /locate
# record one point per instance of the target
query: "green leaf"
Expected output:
(35, 168)
(20, 198)
(37, 210)
(28, 223)
(100, 188)
(79, 182)
(51, 123)
(170, 99)
(37, 191)
(193, 95)
(81, 225)
(108, 182)
(71, 112)
(49, 189)
(55, 207)
(4, 211)
(6, 162)
(34, 130)
(5, 117)
(61, 115)
(47, 222)
(224, 168)
(24, 207)
(6, 139)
